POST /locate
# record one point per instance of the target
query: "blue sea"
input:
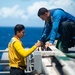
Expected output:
(32, 35)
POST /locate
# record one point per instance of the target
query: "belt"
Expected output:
(14, 68)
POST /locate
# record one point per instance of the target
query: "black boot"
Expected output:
(65, 49)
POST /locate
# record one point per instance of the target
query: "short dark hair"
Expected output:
(42, 11)
(18, 27)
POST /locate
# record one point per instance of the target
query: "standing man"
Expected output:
(16, 52)
(58, 24)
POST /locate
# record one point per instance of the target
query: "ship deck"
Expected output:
(44, 62)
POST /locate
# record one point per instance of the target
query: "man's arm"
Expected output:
(45, 33)
(19, 48)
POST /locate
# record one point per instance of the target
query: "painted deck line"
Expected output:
(62, 57)
(64, 61)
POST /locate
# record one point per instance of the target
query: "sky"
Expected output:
(24, 12)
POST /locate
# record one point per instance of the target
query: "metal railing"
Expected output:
(4, 63)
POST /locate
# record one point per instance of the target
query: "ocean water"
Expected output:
(32, 34)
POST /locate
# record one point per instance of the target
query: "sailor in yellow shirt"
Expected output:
(16, 52)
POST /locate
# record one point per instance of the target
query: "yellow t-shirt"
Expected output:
(17, 54)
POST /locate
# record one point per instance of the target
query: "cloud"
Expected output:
(35, 6)
(25, 15)
(31, 11)
(67, 5)
(12, 12)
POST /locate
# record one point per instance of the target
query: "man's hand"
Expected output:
(48, 44)
(39, 43)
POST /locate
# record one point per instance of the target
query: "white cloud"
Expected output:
(34, 8)
(12, 12)
(67, 5)
(16, 12)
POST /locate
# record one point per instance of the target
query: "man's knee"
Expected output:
(64, 24)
